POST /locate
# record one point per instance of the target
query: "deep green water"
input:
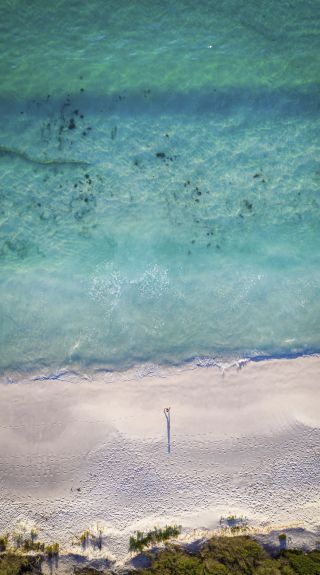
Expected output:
(193, 229)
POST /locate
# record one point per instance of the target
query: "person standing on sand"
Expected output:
(167, 415)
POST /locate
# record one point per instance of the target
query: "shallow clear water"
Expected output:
(193, 229)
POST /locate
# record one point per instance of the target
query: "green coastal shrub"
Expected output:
(31, 545)
(302, 563)
(11, 564)
(175, 562)
(3, 542)
(239, 554)
(52, 550)
(141, 540)
(282, 537)
(232, 556)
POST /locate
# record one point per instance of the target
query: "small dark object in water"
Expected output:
(81, 89)
(197, 200)
(193, 241)
(198, 192)
(167, 135)
(160, 155)
(84, 133)
(81, 116)
(86, 176)
(257, 176)
(39, 205)
(72, 124)
(78, 489)
(248, 205)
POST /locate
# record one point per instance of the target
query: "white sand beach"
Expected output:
(91, 452)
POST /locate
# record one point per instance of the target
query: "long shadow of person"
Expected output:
(166, 411)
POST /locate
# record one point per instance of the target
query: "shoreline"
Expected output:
(244, 441)
(140, 370)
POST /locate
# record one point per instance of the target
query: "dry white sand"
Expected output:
(76, 453)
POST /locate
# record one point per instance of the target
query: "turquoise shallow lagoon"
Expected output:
(159, 181)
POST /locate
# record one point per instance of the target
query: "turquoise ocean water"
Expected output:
(159, 181)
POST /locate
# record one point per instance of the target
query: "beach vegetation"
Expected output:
(52, 550)
(88, 538)
(238, 555)
(84, 537)
(220, 555)
(17, 538)
(13, 564)
(282, 537)
(31, 545)
(33, 534)
(141, 540)
(3, 542)
(234, 524)
(302, 563)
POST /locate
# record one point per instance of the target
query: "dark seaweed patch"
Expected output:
(72, 124)
(248, 205)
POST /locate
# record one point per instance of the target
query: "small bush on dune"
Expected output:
(31, 545)
(236, 553)
(142, 540)
(52, 550)
(174, 562)
(3, 542)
